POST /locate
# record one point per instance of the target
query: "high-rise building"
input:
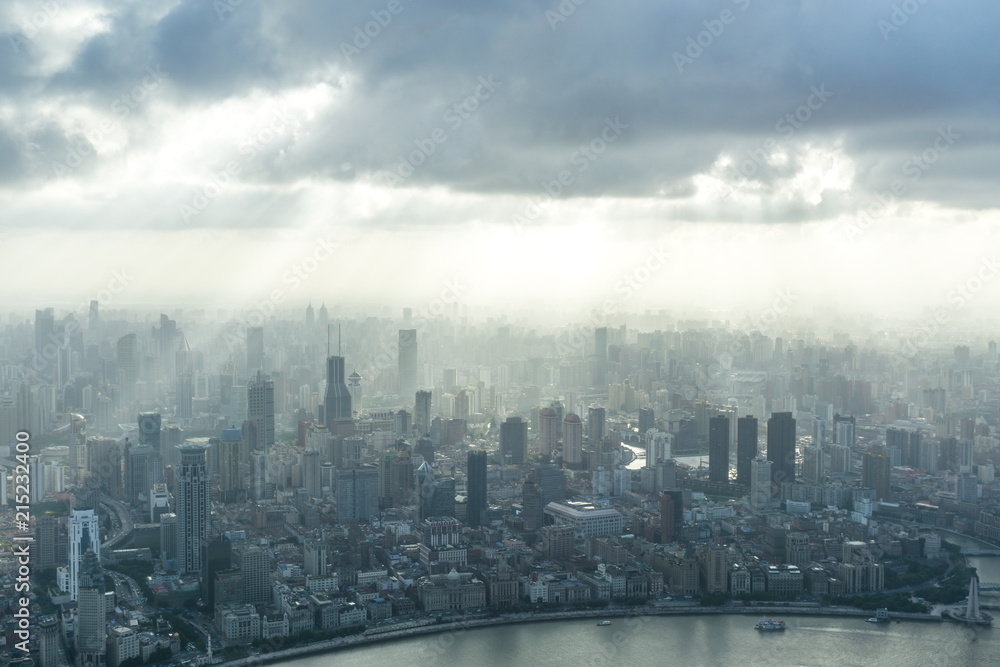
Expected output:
(216, 556)
(875, 473)
(46, 536)
(477, 499)
(718, 449)
(671, 514)
(407, 362)
(255, 566)
(781, 447)
(746, 448)
(168, 538)
(82, 527)
(193, 506)
(149, 429)
(760, 484)
(572, 441)
(601, 357)
(401, 478)
(260, 411)
(843, 430)
(90, 613)
(647, 420)
(514, 441)
(337, 402)
(314, 558)
(356, 392)
(422, 412)
(596, 420)
(48, 642)
(233, 466)
(548, 431)
(255, 350)
(812, 463)
(127, 362)
(310, 473)
(142, 470)
(357, 494)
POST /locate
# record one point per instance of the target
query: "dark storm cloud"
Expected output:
(687, 83)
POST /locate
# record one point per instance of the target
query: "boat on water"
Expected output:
(881, 616)
(605, 623)
(769, 625)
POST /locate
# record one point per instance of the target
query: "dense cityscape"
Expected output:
(208, 490)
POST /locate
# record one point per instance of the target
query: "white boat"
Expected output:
(768, 625)
(605, 623)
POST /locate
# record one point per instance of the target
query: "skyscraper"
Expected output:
(718, 449)
(48, 642)
(596, 419)
(141, 466)
(90, 613)
(83, 537)
(407, 362)
(216, 555)
(260, 411)
(572, 441)
(149, 429)
(781, 447)
(127, 361)
(601, 357)
(760, 484)
(477, 500)
(255, 350)
(875, 473)
(337, 402)
(514, 441)
(255, 566)
(233, 466)
(746, 447)
(422, 412)
(193, 506)
(357, 494)
(548, 431)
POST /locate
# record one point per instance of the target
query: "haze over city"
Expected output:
(327, 324)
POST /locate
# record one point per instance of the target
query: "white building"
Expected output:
(589, 520)
(83, 529)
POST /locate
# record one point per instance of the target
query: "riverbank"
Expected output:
(431, 627)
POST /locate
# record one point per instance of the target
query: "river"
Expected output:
(685, 640)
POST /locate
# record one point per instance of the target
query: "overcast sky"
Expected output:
(709, 153)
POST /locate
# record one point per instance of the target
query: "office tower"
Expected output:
(3, 484)
(781, 446)
(337, 402)
(83, 536)
(819, 433)
(348, 452)
(843, 430)
(193, 506)
(671, 514)
(310, 316)
(127, 362)
(797, 550)
(8, 423)
(232, 466)
(929, 455)
(314, 558)
(168, 537)
(141, 466)
(90, 613)
(760, 484)
(255, 567)
(159, 502)
(260, 411)
(45, 324)
(259, 484)
(573, 441)
(812, 463)
(449, 379)
(310, 473)
(46, 536)
(718, 449)
(384, 478)
(422, 412)
(48, 642)
(875, 473)
(184, 392)
(149, 429)
(596, 420)
(967, 488)
(840, 459)
(477, 501)
(532, 504)
(37, 477)
(897, 438)
(548, 431)
(401, 478)
(404, 424)
(647, 420)
(552, 482)
(216, 556)
(514, 441)
(435, 495)
(165, 337)
(746, 448)
(255, 350)
(601, 357)
(407, 362)
(356, 392)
